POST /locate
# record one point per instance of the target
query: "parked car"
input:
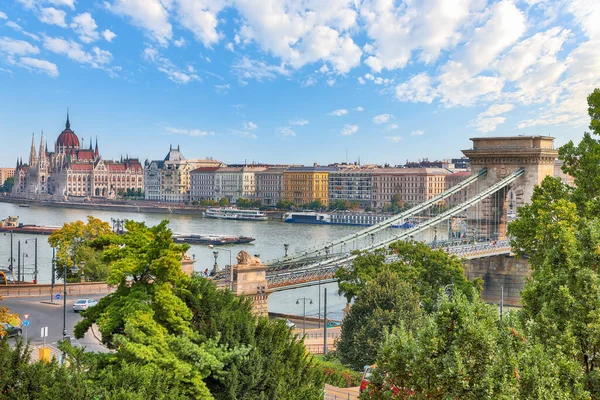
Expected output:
(333, 324)
(83, 304)
(10, 330)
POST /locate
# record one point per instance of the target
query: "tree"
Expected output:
(73, 243)
(284, 205)
(463, 351)
(314, 205)
(8, 185)
(560, 232)
(426, 269)
(276, 366)
(382, 304)
(146, 320)
(224, 202)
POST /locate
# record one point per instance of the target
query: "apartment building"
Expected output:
(355, 185)
(202, 183)
(416, 185)
(269, 186)
(302, 185)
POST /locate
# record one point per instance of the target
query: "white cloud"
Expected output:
(17, 47)
(85, 26)
(38, 65)
(310, 81)
(338, 113)
(229, 46)
(243, 133)
(349, 130)
(52, 16)
(300, 33)
(330, 81)
(97, 58)
(324, 69)
(200, 17)
(417, 89)
(487, 124)
(359, 109)
(63, 3)
(299, 122)
(166, 66)
(392, 127)
(108, 35)
(246, 68)
(382, 118)
(188, 132)
(394, 139)
(146, 14)
(417, 133)
(223, 88)
(3, 16)
(497, 109)
(250, 126)
(286, 131)
(361, 80)
(17, 27)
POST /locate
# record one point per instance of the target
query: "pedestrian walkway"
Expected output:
(335, 393)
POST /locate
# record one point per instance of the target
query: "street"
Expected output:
(42, 314)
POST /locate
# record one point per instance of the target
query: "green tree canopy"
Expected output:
(284, 205)
(382, 304)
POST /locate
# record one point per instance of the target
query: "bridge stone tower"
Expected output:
(502, 156)
(249, 279)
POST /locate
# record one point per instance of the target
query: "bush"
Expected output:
(337, 374)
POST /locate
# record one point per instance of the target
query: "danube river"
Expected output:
(270, 237)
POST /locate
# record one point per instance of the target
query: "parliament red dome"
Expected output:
(68, 138)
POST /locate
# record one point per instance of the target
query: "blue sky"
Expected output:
(295, 81)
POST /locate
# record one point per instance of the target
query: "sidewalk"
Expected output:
(335, 393)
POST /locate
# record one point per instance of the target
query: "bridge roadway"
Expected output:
(290, 277)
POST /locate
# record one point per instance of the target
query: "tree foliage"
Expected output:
(285, 205)
(426, 269)
(381, 305)
(463, 351)
(74, 246)
(7, 185)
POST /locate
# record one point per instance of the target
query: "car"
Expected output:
(83, 304)
(333, 324)
(10, 330)
(290, 324)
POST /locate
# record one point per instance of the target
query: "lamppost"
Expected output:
(304, 312)
(260, 291)
(73, 270)
(435, 234)
(216, 266)
(11, 260)
(286, 247)
(35, 266)
(216, 254)
(22, 270)
(320, 273)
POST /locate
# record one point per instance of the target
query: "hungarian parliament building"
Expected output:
(72, 171)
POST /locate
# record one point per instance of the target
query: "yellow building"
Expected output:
(301, 185)
(6, 173)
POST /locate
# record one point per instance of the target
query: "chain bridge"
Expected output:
(468, 220)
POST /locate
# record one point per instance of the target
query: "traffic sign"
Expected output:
(44, 332)
(26, 323)
(26, 316)
(57, 296)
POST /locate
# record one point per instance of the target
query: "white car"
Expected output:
(83, 304)
(290, 324)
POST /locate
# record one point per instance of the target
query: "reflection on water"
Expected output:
(270, 237)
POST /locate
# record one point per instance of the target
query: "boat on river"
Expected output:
(12, 224)
(218, 240)
(236, 214)
(339, 218)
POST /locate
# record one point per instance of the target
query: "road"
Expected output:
(42, 314)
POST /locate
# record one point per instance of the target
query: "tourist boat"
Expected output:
(23, 205)
(218, 240)
(356, 219)
(235, 213)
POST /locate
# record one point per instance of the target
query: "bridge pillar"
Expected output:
(249, 279)
(502, 156)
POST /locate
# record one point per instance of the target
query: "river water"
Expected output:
(270, 237)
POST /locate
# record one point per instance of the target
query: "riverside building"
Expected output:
(71, 171)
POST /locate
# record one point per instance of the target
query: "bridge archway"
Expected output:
(503, 156)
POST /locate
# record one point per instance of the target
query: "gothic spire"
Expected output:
(32, 152)
(96, 150)
(42, 148)
(90, 143)
(68, 124)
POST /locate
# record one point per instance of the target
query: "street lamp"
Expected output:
(286, 247)
(216, 266)
(260, 291)
(304, 312)
(216, 253)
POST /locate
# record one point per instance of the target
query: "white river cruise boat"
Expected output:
(235, 213)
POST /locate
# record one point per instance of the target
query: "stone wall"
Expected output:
(499, 272)
(73, 289)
